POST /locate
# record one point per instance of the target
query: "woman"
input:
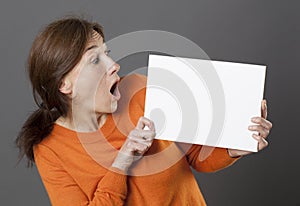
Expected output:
(76, 85)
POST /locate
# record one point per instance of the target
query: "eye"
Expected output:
(107, 51)
(96, 60)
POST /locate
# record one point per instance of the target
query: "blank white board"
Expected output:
(204, 102)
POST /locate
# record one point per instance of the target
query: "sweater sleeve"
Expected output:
(63, 190)
(217, 159)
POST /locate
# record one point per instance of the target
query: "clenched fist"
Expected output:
(137, 143)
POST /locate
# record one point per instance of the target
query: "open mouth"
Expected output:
(113, 88)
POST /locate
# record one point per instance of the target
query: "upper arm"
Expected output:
(63, 189)
(60, 186)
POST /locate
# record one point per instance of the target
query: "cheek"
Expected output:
(89, 82)
(86, 87)
(102, 90)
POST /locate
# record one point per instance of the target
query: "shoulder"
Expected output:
(57, 142)
(44, 155)
(46, 148)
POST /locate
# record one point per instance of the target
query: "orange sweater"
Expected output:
(74, 167)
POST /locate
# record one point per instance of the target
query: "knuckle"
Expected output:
(153, 134)
(129, 144)
(266, 143)
(261, 128)
(131, 133)
(254, 128)
(266, 132)
(259, 120)
(270, 125)
(135, 132)
(130, 138)
(142, 119)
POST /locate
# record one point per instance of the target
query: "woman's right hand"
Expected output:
(136, 144)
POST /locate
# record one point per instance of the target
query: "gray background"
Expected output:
(254, 31)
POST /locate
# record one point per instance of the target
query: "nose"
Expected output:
(115, 68)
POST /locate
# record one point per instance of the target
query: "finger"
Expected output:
(137, 147)
(143, 121)
(140, 140)
(264, 112)
(260, 129)
(141, 149)
(146, 134)
(262, 143)
(152, 126)
(263, 122)
(142, 134)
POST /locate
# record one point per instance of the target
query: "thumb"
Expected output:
(264, 111)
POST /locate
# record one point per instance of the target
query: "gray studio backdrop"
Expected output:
(253, 31)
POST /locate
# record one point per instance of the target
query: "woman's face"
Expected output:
(93, 83)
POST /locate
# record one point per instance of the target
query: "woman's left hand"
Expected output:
(262, 127)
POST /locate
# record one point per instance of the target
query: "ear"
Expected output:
(66, 86)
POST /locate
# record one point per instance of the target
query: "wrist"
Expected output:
(122, 162)
(122, 167)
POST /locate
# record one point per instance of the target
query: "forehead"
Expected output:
(95, 41)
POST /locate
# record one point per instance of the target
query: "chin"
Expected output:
(114, 106)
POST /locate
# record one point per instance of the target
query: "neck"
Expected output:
(83, 123)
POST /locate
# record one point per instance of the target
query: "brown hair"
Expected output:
(54, 53)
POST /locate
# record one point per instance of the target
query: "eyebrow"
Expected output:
(91, 47)
(94, 46)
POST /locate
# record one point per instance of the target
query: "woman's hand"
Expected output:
(136, 144)
(262, 127)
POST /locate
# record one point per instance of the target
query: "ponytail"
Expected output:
(38, 126)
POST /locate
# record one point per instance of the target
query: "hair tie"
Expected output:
(43, 107)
